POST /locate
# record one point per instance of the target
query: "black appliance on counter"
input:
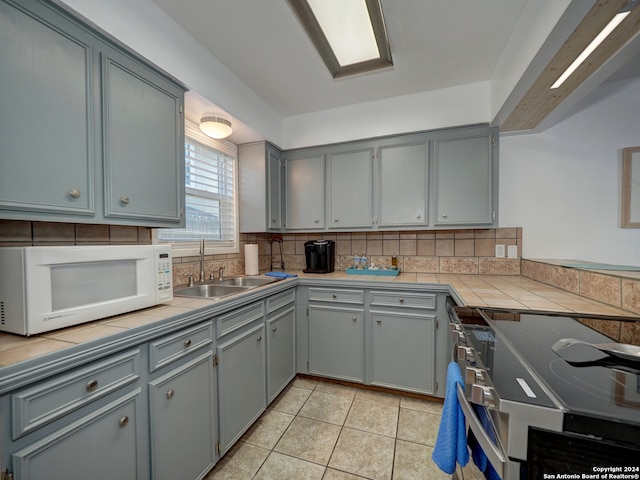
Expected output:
(538, 403)
(320, 255)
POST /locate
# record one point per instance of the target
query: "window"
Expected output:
(211, 197)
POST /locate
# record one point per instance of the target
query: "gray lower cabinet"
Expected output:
(103, 445)
(281, 342)
(403, 350)
(241, 382)
(111, 149)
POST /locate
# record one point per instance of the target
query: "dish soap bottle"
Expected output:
(394, 262)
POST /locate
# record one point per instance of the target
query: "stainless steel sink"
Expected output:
(247, 281)
(209, 291)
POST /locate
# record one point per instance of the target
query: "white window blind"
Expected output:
(210, 203)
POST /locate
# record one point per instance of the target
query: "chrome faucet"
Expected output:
(220, 274)
(202, 274)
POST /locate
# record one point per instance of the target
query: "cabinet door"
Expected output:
(143, 143)
(305, 194)
(336, 342)
(281, 362)
(350, 186)
(463, 181)
(241, 384)
(275, 189)
(182, 405)
(47, 116)
(105, 444)
(403, 351)
(403, 184)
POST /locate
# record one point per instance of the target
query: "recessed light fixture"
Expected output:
(216, 127)
(349, 35)
(604, 33)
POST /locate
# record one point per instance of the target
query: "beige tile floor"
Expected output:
(321, 430)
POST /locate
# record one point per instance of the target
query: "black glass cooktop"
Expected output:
(587, 382)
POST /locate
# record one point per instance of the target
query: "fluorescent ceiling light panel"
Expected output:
(606, 31)
(347, 26)
(349, 35)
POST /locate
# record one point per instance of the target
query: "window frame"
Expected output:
(192, 248)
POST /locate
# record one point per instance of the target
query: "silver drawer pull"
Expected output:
(123, 421)
(187, 342)
(74, 193)
(92, 385)
(125, 199)
(170, 394)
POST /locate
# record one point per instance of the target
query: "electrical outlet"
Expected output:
(500, 251)
(512, 251)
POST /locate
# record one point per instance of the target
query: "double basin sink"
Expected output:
(222, 288)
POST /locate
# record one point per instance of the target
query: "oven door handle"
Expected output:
(493, 453)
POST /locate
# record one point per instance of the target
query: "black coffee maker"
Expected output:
(321, 256)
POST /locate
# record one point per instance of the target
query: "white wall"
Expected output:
(563, 185)
(447, 107)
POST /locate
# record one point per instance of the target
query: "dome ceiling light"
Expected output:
(216, 127)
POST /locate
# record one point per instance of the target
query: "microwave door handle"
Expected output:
(494, 455)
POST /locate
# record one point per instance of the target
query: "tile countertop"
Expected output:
(494, 291)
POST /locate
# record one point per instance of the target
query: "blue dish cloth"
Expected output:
(479, 457)
(451, 443)
(280, 274)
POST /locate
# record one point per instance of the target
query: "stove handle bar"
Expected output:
(493, 452)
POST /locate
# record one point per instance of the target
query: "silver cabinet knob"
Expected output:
(92, 385)
(336, 219)
(444, 215)
(334, 296)
(74, 193)
(125, 199)
(170, 394)
(316, 220)
(419, 215)
(187, 342)
(273, 220)
(378, 321)
(482, 395)
(123, 421)
(354, 318)
(401, 300)
(274, 329)
(260, 338)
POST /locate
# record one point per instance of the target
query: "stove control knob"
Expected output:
(473, 375)
(465, 353)
(483, 395)
(459, 338)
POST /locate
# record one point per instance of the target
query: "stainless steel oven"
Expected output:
(525, 405)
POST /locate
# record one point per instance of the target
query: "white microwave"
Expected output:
(46, 288)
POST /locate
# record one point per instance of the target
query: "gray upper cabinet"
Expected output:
(403, 192)
(47, 118)
(257, 161)
(305, 192)
(349, 183)
(463, 170)
(143, 136)
(89, 132)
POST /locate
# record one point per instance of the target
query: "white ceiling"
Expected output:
(434, 44)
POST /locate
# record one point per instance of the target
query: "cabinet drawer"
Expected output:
(236, 319)
(47, 401)
(404, 299)
(173, 347)
(336, 295)
(280, 300)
